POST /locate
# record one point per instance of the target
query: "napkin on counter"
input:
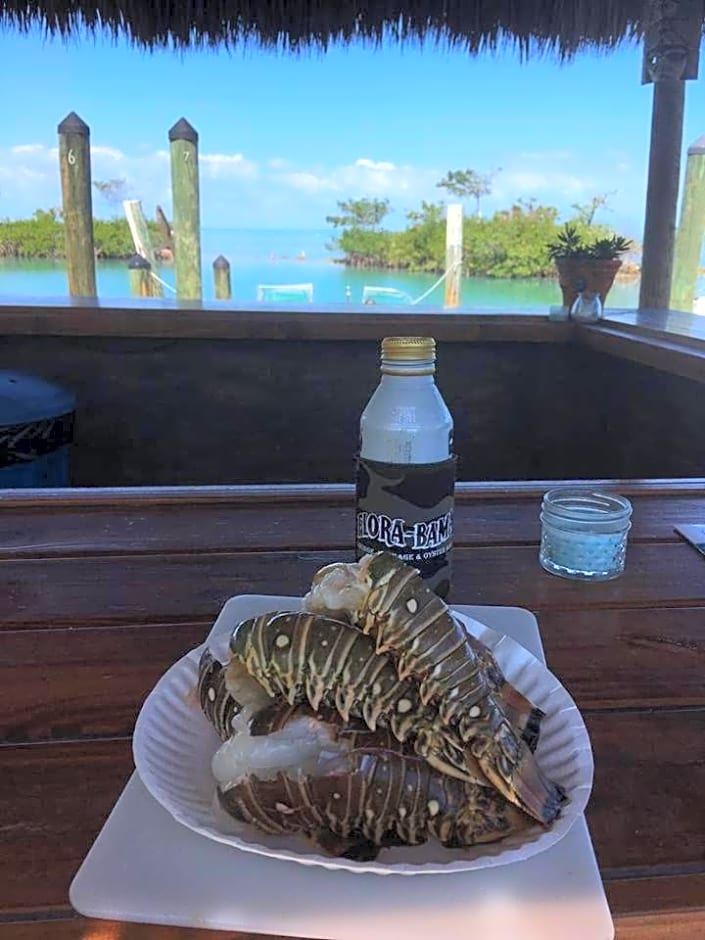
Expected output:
(695, 534)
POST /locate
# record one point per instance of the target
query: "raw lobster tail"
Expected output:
(372, 718)
(307, 659)
(372, 796)
(388, 600)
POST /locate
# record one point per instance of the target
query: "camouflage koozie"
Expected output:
(407, 509)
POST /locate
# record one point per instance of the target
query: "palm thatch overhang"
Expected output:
(534, 27)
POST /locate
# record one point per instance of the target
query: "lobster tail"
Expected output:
(217, 704)
(395, 722)
(361, 792)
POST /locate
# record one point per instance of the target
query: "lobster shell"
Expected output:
(383, 796)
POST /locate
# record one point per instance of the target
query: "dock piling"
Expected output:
(221, 278)
(75, 170)
(691, 229)
(186, 214)
(454, 255)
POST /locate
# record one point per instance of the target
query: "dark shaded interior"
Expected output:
(217, 411)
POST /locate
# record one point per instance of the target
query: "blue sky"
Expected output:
(282, 138)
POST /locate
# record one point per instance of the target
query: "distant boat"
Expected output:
(285, 293)
(385, 295)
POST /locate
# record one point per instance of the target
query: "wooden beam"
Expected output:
(212, 321)
(142, 240)
(662, 194)
(139, 229)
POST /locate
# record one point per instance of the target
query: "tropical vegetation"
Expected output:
(42, 235)
(512, 243)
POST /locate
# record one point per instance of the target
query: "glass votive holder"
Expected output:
(584, 533)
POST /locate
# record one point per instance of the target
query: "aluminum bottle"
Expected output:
(406, 466)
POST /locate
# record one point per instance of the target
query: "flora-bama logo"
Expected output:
(395, 533)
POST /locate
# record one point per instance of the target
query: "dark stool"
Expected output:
(36, 431)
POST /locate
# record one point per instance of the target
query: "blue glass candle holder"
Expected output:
(584, 533)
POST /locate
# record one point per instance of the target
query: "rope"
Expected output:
(418, 300)
(163, 283)
(437, 284)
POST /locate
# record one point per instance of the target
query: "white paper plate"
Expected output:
(173, 745)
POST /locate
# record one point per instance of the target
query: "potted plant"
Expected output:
(588, 267)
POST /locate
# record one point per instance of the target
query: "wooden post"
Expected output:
(689, 239)
(454, 255)
(186, 223)
(662, 194)
(142, 240)
(140, 271)
(221, 277)
(672, 34)
(75, 168)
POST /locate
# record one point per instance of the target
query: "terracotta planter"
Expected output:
(587, 274)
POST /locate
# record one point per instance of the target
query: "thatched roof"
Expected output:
(535, 26)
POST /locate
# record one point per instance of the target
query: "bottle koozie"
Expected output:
(407, 509)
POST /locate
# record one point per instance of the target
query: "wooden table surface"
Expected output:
(100, 591)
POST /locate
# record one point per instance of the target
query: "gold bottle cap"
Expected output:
(408, 348)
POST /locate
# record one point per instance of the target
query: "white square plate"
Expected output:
(145, 867)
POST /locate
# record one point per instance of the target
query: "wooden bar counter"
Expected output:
(101, 590)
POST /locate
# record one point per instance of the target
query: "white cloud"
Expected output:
(364, 177)
(543, 156)
(110, 153)
(20, 174)
(308, 182)
(27, 148)
(374, 164)
(225, 165)
(528, 183)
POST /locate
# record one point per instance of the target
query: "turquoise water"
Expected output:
(263, 257)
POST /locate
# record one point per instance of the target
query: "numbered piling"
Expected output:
(454, 255)
(221, 278)
(75, 169)
(186, 223)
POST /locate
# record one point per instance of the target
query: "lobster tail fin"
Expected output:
(527, 787)
(524, 717)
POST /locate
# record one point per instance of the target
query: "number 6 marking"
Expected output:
(71, 157)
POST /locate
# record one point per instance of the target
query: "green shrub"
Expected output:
(42, 236)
